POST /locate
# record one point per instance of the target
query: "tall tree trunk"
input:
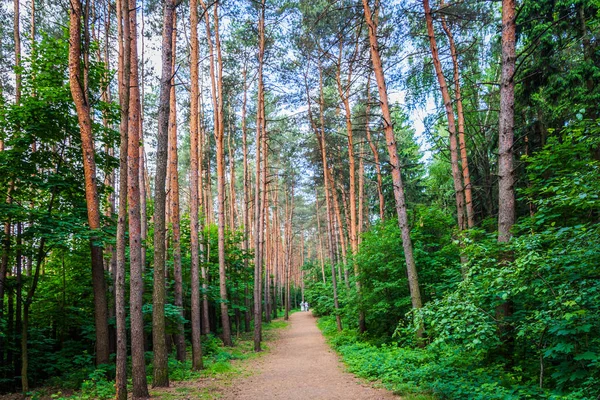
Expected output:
(246, 195)
(361, 193)
(344, 93)
(136, 282)
(231, 159)
(174, 196)
(258, 210)
(344, 96)
(121, 313)
(456, 174)
(275, 242)
(328, 196)
(411, 269)
(205, 206)
(143, 174)
(18, 295)
(320, 237)
(79, 85)
(506, 190)
(109, 178)
(268, 262)
(464, 161)
(374, 151)
(159, 346)
(216, 74)
(339, 225)
(195, 190)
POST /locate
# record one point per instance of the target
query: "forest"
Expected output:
(177, 174)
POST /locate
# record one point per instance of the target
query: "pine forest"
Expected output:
(300, 199)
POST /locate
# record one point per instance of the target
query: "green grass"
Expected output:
(221, 364)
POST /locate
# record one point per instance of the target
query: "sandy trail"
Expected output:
(302, 366)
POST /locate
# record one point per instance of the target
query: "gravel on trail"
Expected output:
(301, 366)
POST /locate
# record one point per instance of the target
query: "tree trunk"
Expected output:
(18, 296)
(121, 313)
(195, 190)
(339, 225)
(361, 194)
(456, 174)
(79, 85)
(231, 159)
(461, 127)
(506, 190)
(268, 262)
(216, 75)
(413, 281)
(136, 282)
(375, 152)
(344, 93)
(328, 196)
(258, 210)
(320, 238)
(246, 196)
(143, 174)
(174, 196)
(206, 201)
(159, 346)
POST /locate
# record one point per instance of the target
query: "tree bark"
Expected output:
(413, 280)
(289, 216)
(205, 199)
(456, 174)
(328, 196)
(194, 190)
(159, 346)
(136, 282)
(344, 93)
(121, 313)
(320, 237)
(79, 86)
(247, 316)
(174, 196)
(216, 74)
(231, 160)
(506, 190)
(375, 152)
(461, 126)
(258, 210)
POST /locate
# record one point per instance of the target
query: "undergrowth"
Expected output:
(99, 383)
(436, 373)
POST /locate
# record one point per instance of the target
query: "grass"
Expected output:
(222, 365)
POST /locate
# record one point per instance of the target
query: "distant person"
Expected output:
(306, 306)
(302, 306)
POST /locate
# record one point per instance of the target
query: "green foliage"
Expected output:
(545, 346)
(382, 271)
(548, 274)
(442, 372)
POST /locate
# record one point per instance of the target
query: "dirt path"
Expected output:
(302, 366)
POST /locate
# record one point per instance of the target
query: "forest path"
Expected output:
(301, 365)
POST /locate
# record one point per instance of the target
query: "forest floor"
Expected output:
(300, 365)
(297, 364)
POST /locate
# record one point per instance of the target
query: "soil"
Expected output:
(301, 365)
